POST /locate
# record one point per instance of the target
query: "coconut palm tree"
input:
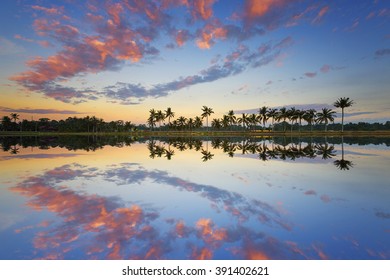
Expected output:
(225, 121)
(232, 118)
(325, 116)
(272, 115)
(197, 122)
(169, 114)
(292, 114)
(343, 102)
(216, 123)
(159, 117)
(244, 120)
(282, 115)
(206, 113)
(14, 117)
(152, 118)
(263, 115)
(309, 116)
(182, 122)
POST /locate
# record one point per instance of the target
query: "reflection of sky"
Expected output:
(141, 208)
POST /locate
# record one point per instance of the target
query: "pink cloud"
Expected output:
(182, 36)
(310, 192)
(325, 198)
(207, 35)
(202, 9)
(321, 14)
(325, 69)
(311, 74)
(50, 11)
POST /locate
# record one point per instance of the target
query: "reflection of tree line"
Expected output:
(276, 148)
(265, 151)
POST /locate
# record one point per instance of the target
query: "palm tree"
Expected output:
(309, 116)
(216, 123)
(14, 116)
(160, 116)
(152, 118)
(181, 122)
(282, 115)
(206, 113)
(197, 122)
(190, 123)
(292, 114)
(225, 121)
(343, 102)
(272, 115)
(169, 114)
(232, 118)
(326, 116)
(263, 115)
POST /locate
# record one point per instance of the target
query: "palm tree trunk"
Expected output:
(342, 119)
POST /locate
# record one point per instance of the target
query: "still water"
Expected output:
(125, 198)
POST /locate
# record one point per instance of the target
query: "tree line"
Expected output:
(266, 118)
(275, 117)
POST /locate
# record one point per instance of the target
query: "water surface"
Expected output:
(126, 198)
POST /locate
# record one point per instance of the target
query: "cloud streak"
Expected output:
(40, 111)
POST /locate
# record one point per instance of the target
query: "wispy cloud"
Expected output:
(382, 52)
(40, 111)
(310, 74)
(8, 47)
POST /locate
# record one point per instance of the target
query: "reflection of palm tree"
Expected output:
(14, 150)
(325, 151)
(169, 153)
(206, 155)
(343, 102)
(343, 164)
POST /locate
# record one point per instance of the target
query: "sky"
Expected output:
(117, 59)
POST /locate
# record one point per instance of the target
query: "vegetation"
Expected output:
(278, 120)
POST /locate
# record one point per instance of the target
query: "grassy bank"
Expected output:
(144, 133)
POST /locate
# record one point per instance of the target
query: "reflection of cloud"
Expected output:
(97, 227)
(234, 203)
(104, 228)
(382, 52)
(382, 215)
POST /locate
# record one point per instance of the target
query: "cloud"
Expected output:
(324, 10)
(382, 52)
(8, 47)
(202, 9)
(310, 74)
(233, 64)
(49, 11)
(40, 111)
(115, 34)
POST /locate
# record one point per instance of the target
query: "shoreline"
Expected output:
(165, 133)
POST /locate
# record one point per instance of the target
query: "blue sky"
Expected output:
(118, 59)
